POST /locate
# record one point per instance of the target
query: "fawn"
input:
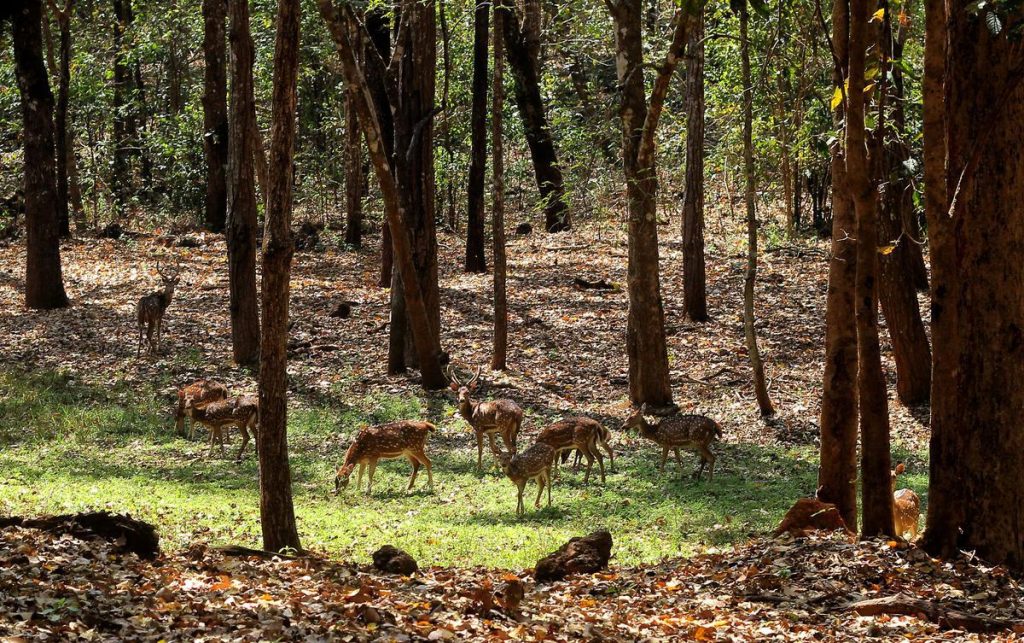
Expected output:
(691, 432)
(532, 464)
(406, 438)
(150, 310)
(242, 411)
(580, 433)
(604, 436)
(197, 394)
(503, 417)
(906, 506)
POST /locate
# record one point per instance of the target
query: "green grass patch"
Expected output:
(67, 447)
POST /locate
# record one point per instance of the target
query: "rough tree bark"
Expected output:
(338, 21)
(521, 43)
(241, 193)
(215, 113)
(695, 302)
(378, 43)
(475, 260)
(65, 153)
(353, 176)
(875, 467)
(975, 498)
(764, 402)
(277, 515)
(499, 359)
(125, 125)
(645, 332)
(44, 281)
(446, 116)
(837, 472)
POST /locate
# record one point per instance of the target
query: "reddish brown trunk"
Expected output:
(215, 113)
(694, 279)
(378, 42)
(498, 361)
(837, 473)
(353, 176)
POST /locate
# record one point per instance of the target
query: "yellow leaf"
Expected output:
(868, 88)
(886, 250)
(878, 15)
(837, 98)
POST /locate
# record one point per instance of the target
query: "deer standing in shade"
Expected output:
(690, 432)
(197, 394)
(150, 310)
(242, 411)
(503, 417)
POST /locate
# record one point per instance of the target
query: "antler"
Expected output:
(452, 376)
(476, 376)
(158, 271)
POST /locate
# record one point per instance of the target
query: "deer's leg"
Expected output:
(547, 477)
(540, 491)
(359, 475)
(664, 457)
(611, 454)
(479, 452)
(707, 456)
(415, 469)
(520, 509)
(159, 331)
(600, 461)
(590, 464)
(138, 349)
(422, 457)
(369, 485)
(245, 440)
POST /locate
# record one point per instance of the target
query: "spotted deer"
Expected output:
(580, 433)
(690, 432)
(242, 411)
(502, 417)
(150, 310)
(405, 438)
(532, 464)
(906, 506)
(197, 394)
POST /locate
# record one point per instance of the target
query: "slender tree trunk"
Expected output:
(897, 291)
(522, 64)
(764, 403)
(446, 121)
(241, 193)
(63, 17)
(379, 43)
(498, 361)
(695, 301)
(123, 108)
(649, 381)
(277, 515)
(475, 260)
(976, 488)
(837, 473)
(876, 487)
(215, 113)
(353, 176)
(419, 320)
(44, 281)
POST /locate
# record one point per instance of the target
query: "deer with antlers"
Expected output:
(150, 310)
(502, 417)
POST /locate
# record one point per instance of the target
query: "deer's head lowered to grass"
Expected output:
(502, 417)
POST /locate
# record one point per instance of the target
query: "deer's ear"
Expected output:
(453, 386)
(473, 387)
(900, 468)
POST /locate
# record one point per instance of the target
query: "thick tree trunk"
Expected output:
(44, 281)
(764, 403)
(897, 290)
(695, 301)
(499, 359)
(475, 260)
(277, 515)
(414, 173)
(976, 489)
(876, 487)
(522, 64)
(419, 320)
(378, 42)
(649, 381)
(241, 193)
(353, 176)
(215, 113)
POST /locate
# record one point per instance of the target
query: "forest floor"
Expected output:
(86, 425)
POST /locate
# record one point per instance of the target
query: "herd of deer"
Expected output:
(207, 402)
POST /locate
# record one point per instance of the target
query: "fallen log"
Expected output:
(127, 533)
(586, 284)
(942, 616)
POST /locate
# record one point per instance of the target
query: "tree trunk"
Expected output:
(378, 42)
(241, 193)
(977, 468)
(64, 151)
(353, 176)
(764, 403)
(531, 109)
(215, 113)
(277, 515)
(897, 291)
(123, 110)
(837, 472)
(414, 173)
(695, 302)
(649, 381)
(446, 121)
(44, 282)
(876, 486)
(419, 320)
(498, 360)
(475, 260)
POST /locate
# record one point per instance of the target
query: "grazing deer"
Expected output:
(690, 432)
(580, 433)
(906, 506)
(503, 417)
(242, 411)
(197, 394)
(604, 436)
(150, 310)
(532, 464)
(406, 438)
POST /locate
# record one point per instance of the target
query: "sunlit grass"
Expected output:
(66, 447)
